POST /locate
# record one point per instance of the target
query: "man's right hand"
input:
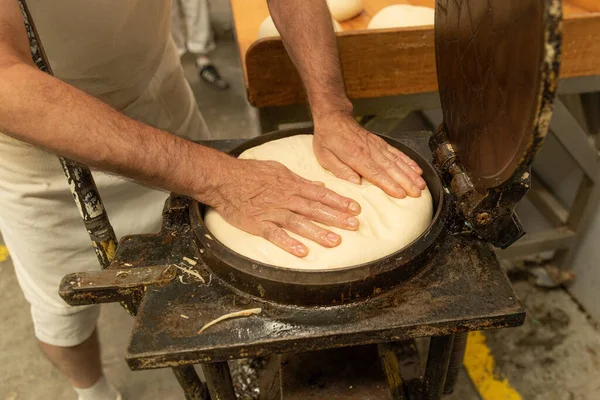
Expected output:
(263, 197)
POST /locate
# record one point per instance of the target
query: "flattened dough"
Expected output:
(402, 15)
(386, 224)
(268, 28)
(342, 10)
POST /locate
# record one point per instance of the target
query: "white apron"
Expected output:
(121, 52)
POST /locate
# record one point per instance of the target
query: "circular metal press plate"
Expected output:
(497, 66)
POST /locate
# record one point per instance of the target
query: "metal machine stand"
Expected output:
(444, 284)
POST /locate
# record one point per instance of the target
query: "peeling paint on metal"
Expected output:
(110, 247)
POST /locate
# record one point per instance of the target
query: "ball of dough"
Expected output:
(402, 15)
(268, 28)
(386, 224)
(342, 10)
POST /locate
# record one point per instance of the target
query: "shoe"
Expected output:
(209, 74)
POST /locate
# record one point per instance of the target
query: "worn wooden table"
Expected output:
(386, 62)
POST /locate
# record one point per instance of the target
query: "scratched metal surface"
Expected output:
(497, 65)
(463, 288)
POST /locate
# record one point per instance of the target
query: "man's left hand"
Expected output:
(349, 151)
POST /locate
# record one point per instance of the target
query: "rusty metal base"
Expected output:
(463, 289)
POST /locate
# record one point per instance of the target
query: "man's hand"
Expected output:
(263, 197)
(349, 151)
(340, 144)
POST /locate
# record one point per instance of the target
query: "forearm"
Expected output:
(48, 113)
(307, 32)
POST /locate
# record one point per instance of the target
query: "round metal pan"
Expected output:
(322, 286)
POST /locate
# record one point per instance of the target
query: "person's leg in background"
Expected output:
(66, 335)
(196, 33)
(81, 365)
(178, 31)
(47, 240)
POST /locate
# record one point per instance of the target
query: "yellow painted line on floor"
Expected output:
(3, 253)
(481, 367)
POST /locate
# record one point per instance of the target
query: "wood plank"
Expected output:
(249, 14)
(589, 5)
(570, 9)
(581, 46)
(375, 64)
(385, 62)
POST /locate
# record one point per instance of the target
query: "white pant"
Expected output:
(190, 26)
(41, 225)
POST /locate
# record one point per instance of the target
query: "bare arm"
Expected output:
(48, 113)
(39, 109)
(340, 144)
(307, 32)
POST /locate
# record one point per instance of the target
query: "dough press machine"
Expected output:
(349, 333)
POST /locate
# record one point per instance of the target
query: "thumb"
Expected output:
(333, 164)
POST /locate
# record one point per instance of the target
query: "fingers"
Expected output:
(398, 171)
(331, 199)
(273, 231)
(405, 158)
(415, 183)
(305, 228)
(380, 177)
(414, 177)
(404, 172)
(280, 238)
(318, 212)
(392, 171)
(330, 162)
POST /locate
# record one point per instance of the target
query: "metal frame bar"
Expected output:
(218, 378)
(436, 370)
(81, 182)
(456, 361)
(543, 199)
(552, 239)
(388, 108)
(190, 382)
(573, 138)
(391, 368)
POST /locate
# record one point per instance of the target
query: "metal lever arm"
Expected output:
(110, 285)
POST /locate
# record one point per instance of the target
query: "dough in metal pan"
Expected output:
(387, 224)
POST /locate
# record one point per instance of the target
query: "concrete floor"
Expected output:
(554, 356)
